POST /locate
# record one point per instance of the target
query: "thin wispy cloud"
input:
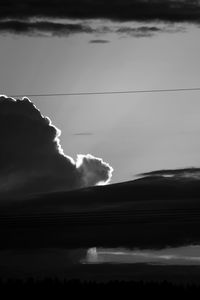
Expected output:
(103, 30)
(43, 28)
(149, 30)
(99, 41)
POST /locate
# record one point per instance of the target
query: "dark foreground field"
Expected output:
(145, 213)
(181, 275)
(150, 213)
(107, 280)
(66, 289)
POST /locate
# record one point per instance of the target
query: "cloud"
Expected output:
(93, 170)
(149, 30)
(64, 28)
(186, 173)
(50, 18)
(43, 28)
(122, 10)
(31, 157)
(99, 41)
(142, 31)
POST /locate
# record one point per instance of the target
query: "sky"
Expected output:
(134, 133)
(80, 46)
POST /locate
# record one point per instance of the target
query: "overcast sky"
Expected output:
(133, 133)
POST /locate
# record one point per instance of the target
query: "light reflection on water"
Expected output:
(186, 255)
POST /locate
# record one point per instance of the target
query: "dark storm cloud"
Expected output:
(42, 27)
(43, 18)
(31, 157)
(123, 10)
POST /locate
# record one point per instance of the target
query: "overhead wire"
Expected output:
(105, 92)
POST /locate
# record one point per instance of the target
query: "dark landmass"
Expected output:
(101, 273)
(151, 212)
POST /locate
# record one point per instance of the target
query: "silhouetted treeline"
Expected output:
(57, 287)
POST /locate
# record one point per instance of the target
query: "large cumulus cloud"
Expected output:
(31, 157)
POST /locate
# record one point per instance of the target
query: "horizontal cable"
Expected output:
(108, 92)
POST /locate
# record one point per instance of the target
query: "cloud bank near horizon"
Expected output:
(32, 159)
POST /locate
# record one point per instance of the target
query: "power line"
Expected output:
(108, 92)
